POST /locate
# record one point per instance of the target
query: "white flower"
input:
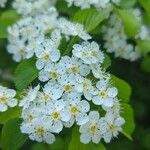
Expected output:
(7, 98)
(30, 97)
(84, 86)
(75, 66)
(92, 130)
(72, 29)
(28, 7)
(113, 126)
(46, 53)
(52, 71)
(78, 110)
(51, 92)
(3, 3)
(38, 130)
(57, 114)
(104, 94)
(88, 52)
(67, 82)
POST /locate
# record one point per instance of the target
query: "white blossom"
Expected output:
(7, 98)
(3, 3)
(88, 52)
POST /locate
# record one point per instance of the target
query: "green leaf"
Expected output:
(124, 89)
(145, 65)
(3, 31)
(75, 143)
(12, 138)
(25, 73)
(144, 46)
(7, 18)
(91, 18)
(127, 3)
(131, 24)
(129, 126)
(146, 5)
(9, 114)
(107, 62)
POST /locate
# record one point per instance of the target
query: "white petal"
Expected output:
(112, 92)
(97, 100)
(12, 102)
(3, 107)
(57, 127)
(84, 106)
(85, 138)
(65, 116)
(49, 138)
(96, 138)
(55, 55)
(82, 119)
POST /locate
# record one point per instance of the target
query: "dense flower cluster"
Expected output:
(72, 89)
(3, 3)
(88, 3)
(67, 94)
(7, 98)
(116, 40)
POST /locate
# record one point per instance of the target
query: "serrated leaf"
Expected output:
(9, 114)
(75, 143)
(90, 18)
(131, 24)
(12, 138)
(129, 126)
(107, 62)
(25, 73)
(145, 65)
(124, 89)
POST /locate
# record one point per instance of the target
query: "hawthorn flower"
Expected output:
(84, 86)
(28, 7)
(51, 92)
(92, 130)
(89, 53)
(46, 53)
(113, 126)
(30, 97)
(75, 66)
(57, 114)
(7, 98)
(78, 109)
(104, 95)
(38, 130)
(52, 72)
(72, 29)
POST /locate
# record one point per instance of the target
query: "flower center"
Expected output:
(54, 75)
(94, 53)
(84, 53)
(102, 94)
(30, 117)
(45, 97)
(40, 131)
(2, 99)
(46, 57)
(111, 127)
(86, 85)
(74, 110)
(21, 51)
(55, 115)
(67, 88)
(74, 69)
(93, 128)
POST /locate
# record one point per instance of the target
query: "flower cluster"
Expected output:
(116, 40)
(67, 94)
(28, 34)
(88, 3)
(32, 7)
(3, 3)
(73, 89)
(7, 98)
